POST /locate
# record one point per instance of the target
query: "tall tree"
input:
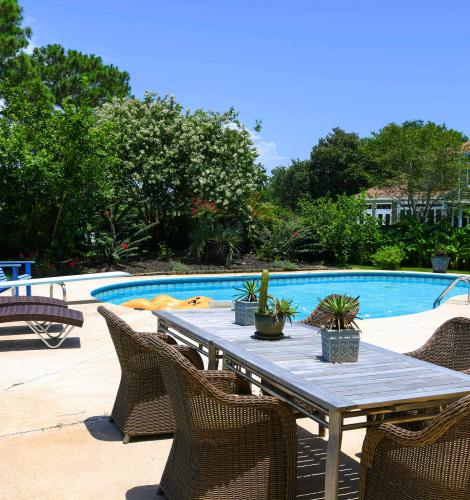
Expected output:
(422, 162)
(74, 75)
(338, 165)
(13, 37)
(288, 185)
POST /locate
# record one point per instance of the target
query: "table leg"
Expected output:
(212, 355)
(333, 455)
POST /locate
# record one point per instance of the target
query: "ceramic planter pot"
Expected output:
(269, 327)
(340, 346)
(440, 263)
(245, 312)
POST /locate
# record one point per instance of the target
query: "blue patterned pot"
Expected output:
(340, 346)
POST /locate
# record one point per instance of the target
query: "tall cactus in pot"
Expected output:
(263, 293)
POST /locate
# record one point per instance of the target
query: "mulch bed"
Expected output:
(245, 264)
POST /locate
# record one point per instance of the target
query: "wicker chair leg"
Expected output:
(126, 439)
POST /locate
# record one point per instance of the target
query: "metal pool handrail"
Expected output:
(450, 286)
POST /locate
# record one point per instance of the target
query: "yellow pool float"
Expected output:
(168, 302)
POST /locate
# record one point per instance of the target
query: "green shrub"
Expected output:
(179, 268)
(216, 242)
(388, 257)
(285, 265)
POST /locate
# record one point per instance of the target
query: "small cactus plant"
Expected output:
(263, 293)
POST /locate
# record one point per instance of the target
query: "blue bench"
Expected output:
(15, 266)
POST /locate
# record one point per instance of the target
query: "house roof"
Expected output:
(382, 192)
(466, 147)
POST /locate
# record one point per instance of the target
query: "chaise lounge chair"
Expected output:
(30, 300)
(40, 318)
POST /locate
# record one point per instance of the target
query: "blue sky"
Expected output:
(302, 67)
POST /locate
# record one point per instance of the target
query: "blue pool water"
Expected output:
(380, 294)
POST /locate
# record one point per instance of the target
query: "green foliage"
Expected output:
(248, 292)
(422, 162)
(283, 308)
(178, 267)
(54, 176)
(13, 37)
(285, 265)
(338, 165)
(114, 247)
(339, 311)
(287, 185)
(263, 293)
(216, 241)
(171, 160)
(388, 257)
(339, 230)
(81, 78)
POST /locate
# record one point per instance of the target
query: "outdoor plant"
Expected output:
(285, 265)
(340, 335)
(389, 257)
(179, 268)
(115, 248)
(272, 313)
(339, 311)
(248, 292)
(216, 241)
(246, 302)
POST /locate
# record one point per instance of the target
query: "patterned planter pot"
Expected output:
(245, 312)
(340, 346)
(440, 263)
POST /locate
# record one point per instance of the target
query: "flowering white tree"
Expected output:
(168, 159)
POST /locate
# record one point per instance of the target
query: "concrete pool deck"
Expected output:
(56, 441)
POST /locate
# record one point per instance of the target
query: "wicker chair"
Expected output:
(433, 463)
(226, 445)
(449, 346)
(142, 406)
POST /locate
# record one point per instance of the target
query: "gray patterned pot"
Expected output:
(440, 263)
(245, 312)
(340, 346)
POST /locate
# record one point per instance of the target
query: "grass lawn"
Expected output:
(413, 269)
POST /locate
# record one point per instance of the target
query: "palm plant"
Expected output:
(339, 311)
(217, 241)
(248, 292)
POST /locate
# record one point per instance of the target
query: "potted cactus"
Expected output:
(340, 334)
(246, 303)
(272, 313)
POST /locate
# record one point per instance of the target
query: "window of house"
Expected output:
(384, 206)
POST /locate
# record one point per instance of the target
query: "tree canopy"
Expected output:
(13, 37)
(75, 76)
(421, 161)
(339, 166)
(171, 160)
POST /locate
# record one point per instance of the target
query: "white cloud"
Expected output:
(269, 156)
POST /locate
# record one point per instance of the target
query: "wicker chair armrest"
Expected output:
(227, 382)
(424, 437)
(191, 355)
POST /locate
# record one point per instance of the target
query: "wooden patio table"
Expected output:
(379, 388)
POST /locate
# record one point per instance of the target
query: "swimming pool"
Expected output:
(381, 294)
